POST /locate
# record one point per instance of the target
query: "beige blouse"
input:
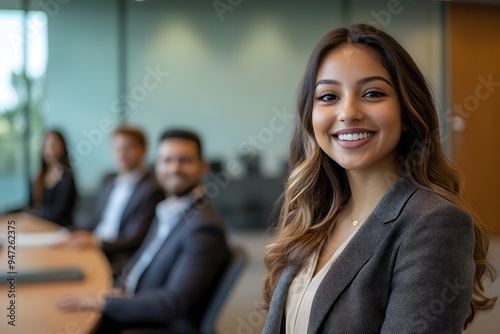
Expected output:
(303, 288)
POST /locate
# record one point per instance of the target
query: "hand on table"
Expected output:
(83, 302)
(116, 292)
(80, 302)
(80, 239)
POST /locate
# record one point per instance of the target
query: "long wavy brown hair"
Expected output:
(317, 187)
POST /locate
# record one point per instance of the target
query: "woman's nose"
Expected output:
(349, 111)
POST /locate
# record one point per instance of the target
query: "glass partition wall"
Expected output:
(23, 45)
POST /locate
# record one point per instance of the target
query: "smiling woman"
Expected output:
(374, 235)
(356, 114)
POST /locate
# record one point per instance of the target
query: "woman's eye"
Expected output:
(328, 97)
(374, 94)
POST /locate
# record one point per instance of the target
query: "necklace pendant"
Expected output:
(355, 222)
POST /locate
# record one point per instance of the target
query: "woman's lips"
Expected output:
(353, 138)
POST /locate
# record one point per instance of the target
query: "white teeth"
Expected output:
(354, 136)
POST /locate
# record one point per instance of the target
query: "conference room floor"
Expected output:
(240, 315)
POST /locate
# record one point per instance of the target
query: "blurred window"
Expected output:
(23, 50)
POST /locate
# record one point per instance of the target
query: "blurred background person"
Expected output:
(170, 280)
(53, 192)
(125, 203)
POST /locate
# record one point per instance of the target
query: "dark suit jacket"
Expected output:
(136, 218)
(409, 269)
(175, 289)
(58, 202)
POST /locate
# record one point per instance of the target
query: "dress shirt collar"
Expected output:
(173, 205)
(130, 178)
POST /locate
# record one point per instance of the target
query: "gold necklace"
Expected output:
(356, 222)
(353, 222)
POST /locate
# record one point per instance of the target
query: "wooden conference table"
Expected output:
(35, 310)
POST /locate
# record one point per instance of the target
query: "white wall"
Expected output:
(225, 77)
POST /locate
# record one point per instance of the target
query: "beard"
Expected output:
(184, 191)
(180, 184)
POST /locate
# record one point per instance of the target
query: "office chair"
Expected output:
(222, 292)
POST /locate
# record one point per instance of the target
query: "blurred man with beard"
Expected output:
(170, 279)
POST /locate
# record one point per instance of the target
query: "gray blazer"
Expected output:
(409, 269)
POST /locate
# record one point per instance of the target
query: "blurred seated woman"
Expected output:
(53, 193)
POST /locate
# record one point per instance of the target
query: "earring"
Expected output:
(359, 113)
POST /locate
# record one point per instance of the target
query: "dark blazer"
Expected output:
(136, 218)
(409, 269)
(175, 289)
(58, 202)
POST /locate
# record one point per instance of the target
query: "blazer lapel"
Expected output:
(358, 251)
(137, 195)
(275, 316)
(103, 199)
(183, 219)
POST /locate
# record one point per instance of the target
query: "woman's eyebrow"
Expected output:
(359, 82)
(373, 78)
(327, 82)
